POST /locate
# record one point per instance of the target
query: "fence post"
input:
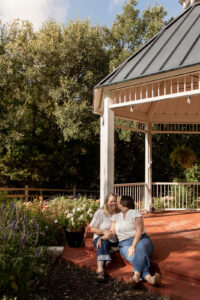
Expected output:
(26, 192)
(74, 191)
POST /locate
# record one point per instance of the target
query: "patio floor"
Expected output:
(176, 239)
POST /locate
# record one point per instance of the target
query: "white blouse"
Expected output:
(102, 222)
(125, 227)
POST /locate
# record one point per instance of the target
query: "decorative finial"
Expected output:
(187, 3)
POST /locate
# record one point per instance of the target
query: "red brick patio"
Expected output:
(176, 238)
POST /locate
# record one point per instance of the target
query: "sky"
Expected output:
(100, 12)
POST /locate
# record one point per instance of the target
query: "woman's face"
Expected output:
(121, 207)
(112, 203)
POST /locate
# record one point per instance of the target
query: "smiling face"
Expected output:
(112, 204)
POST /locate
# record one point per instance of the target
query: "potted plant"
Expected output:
(78, 216)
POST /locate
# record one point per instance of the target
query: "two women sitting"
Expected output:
(122, 223)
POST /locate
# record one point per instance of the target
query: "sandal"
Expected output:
(100, 277)
(134, 280)
(155, 280)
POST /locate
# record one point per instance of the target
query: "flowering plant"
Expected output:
(22, 259)
(80, 213)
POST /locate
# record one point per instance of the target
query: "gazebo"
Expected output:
(157, 89)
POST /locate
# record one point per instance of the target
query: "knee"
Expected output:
(140, 248)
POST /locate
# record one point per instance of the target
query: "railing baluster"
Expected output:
(164, 194)
(173, 196)
(186, 196)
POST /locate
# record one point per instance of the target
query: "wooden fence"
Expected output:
(28, 193)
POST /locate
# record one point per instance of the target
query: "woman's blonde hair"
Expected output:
(105, 206)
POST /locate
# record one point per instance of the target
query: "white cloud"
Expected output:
(36, 11)
(115, 3)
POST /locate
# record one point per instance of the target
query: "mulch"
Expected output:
(67, 281)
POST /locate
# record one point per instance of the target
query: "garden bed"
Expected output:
(66, 281)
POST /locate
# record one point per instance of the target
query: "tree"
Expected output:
(49, 135)
(46, 97)
(131, 30)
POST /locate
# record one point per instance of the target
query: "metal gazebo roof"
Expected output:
(176, 46)
(157, 83)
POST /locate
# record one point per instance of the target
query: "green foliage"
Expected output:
(73, 117)
(24, 227)
(80, 213)
(61, 213)
(22, 259)
(3, 197)
(49, 135)
(51, 232)
(158, 203)
(47, 79)
(129, 155)
(193, 174)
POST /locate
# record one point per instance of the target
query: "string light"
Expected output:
(188, 99)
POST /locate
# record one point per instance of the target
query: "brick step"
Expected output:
(172, 286)
(175, 257)
(168, 270)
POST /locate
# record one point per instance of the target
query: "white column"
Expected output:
(148, 167)
(106, 152)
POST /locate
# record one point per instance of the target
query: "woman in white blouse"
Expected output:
(103, 238)
(134, 243)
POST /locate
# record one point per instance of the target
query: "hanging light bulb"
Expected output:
(131, 108)
(188, 99)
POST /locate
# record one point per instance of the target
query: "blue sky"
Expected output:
(101, 12)
(104, 11)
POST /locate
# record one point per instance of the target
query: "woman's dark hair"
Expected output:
(127, 201)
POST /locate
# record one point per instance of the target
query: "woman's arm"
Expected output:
(139, 226)
(99, 231)
(96, 230)
(112, 228)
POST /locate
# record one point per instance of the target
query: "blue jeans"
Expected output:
(140, 259)
(103, 252)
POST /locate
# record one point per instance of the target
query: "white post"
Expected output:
(106, 152)
(148, 167)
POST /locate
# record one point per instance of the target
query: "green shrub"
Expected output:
(80, 213)
(158, 203)
(192, 174)
(3, 197)
(22, 259)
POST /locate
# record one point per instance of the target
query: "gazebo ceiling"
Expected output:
(181, 110)
(158, 79)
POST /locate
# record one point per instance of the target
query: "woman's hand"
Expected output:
(131, 250)
(107, 235)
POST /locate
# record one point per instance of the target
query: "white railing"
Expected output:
(176, 195)
(165, 195)
(135, 190)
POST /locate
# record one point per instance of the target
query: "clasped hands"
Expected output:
(106, 236)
